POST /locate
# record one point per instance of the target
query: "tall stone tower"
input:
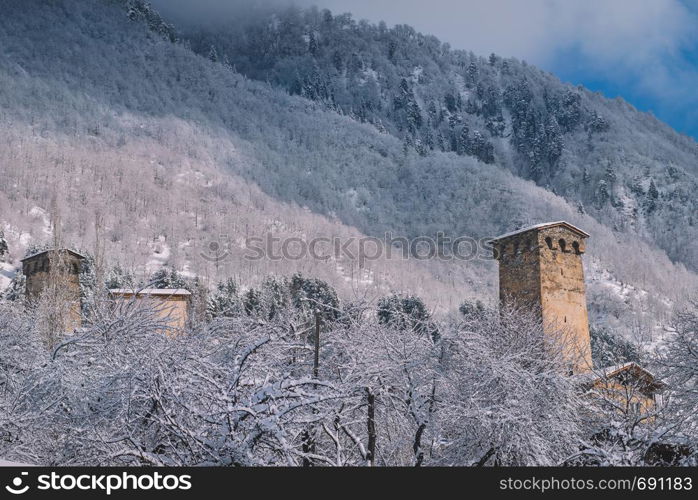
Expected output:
(541, 267)
(56, 272)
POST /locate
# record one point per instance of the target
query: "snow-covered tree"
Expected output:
(310, 295)
(679, 366)
(118, 278)
(405, 312)
(224, 301)
(167, 277)
(608, 349)
(504, 397)
(15, 291)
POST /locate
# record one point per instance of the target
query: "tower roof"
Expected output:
(544, 225)
(72, 252)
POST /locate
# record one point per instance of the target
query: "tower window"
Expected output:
(562, 272)
(549, 242)
(575, 245)
(562, 245)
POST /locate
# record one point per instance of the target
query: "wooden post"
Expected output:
(307, 438)
(371, 427)
(316, 359)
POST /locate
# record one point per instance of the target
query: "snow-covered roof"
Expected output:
(150, 291)
(36, 254)
(612, 371)
(544, 225)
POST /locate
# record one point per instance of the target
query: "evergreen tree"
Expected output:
(338, 61)
(554, 143)
(252, 302)
(652, 198)
(16, 289)
(213, 54)
(610, 175)
(472, 309)
(312, 44)
(472, 74)
(224, 301)
(3, 246)
(463, 142)
(275, 295)
(608, 349)
(597, 124)
(636, 187)
(603, 194)
(406, 312)
(481, 148)
(311, 295)
(450, 102)
(199, 302)
(167, 277)
(140, 10)
(118, 278)
(88, 283)
(227, 63)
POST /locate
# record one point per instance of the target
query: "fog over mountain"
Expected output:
(607, 46)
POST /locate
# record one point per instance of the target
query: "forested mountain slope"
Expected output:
(149, 152)
(629, 170)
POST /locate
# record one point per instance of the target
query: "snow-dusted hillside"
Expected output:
(154, 152)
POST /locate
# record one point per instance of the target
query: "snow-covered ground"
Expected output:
(5, 463)
(159, 257)
(7, 272)
(43, 216)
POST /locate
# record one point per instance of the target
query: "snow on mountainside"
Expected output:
(161, 152)
(625, 168)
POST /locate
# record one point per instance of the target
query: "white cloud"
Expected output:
(536, 29)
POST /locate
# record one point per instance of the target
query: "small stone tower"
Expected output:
(60, 269)
(541, 267)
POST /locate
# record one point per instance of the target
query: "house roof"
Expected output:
(167, 292)
(544, 225)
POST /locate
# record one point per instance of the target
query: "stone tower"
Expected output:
(541, 267)
(56, 270)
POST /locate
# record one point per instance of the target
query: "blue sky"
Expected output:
(645, 51)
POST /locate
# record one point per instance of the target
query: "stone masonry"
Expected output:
(540, 267)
